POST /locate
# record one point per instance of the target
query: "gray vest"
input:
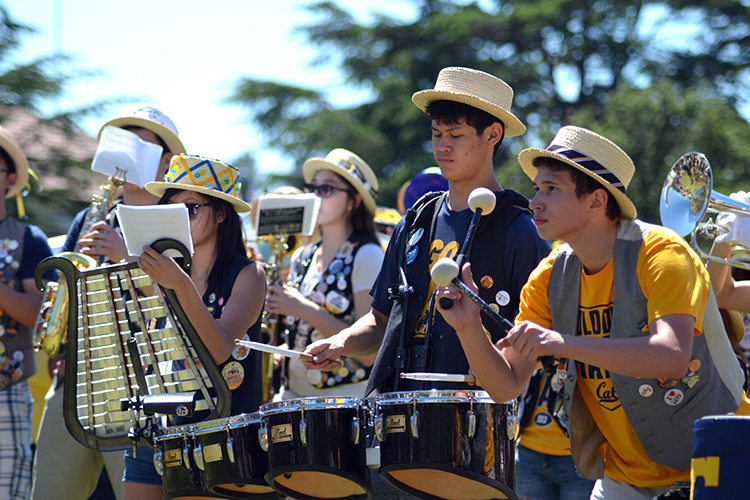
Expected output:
(15, 336)
(666, 432)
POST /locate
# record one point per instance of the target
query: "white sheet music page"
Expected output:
(120, 148)
(143, 225)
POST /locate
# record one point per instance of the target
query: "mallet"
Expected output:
(481, 202)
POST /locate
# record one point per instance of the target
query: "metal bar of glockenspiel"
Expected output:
(144, 328)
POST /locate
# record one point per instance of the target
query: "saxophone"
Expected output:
(281, 246)
(51, 327)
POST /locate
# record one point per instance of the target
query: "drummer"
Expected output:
(470, 115)
(222, 295)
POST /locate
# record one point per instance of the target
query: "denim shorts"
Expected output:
(549, 477)
(141, 469)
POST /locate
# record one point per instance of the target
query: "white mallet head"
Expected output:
(444, 271)
(482, 198)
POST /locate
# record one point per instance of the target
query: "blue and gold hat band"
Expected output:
(589, 164)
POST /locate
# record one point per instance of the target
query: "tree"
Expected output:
(566, 60)
(57, 150)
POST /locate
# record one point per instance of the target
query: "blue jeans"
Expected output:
(549, 477)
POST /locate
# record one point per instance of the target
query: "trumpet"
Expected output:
(688, 197)
(51, 327)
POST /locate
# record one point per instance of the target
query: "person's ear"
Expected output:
(12, 179)
(495, 134)
(598, 200)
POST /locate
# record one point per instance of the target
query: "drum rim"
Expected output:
(437, 396)
(175, 431)
(312, 403)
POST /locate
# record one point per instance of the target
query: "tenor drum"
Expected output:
(175, 459)
(233, 461)
(447, 444)
(316, 447)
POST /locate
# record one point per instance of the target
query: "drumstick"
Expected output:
(445, 272)
(439, 377)
(481, 202)
(274, 350)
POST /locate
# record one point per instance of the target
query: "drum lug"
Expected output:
(471, 423)
(379, 428)
(303, 431)
(263, 435)
(159, 460)
(414, 421)
(512, 424)
(356, 428)
(186, 454)
(198, 456)
(230, 448)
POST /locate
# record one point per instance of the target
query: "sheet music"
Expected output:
(142, 225)
(288, 214)
(120, 148)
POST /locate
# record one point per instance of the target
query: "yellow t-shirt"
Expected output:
(674, 281)
(542, 434)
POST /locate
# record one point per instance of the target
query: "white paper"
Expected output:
(143, 225)
(121, 149)
(274, 203)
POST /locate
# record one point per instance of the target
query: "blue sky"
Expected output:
(185, 57)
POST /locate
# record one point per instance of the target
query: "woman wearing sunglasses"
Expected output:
(222, 295)
(329, 281)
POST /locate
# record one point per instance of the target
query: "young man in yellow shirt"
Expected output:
(629, 308)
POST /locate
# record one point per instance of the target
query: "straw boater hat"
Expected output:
(206, 176)
(352, 168)
(148, 117)
(593, 155)
(9, 144)
(475, 88)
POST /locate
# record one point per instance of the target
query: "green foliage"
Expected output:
(659, 90)
(68, 183)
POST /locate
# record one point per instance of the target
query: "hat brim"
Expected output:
(526, 159)
(168, 136)
(513, 126)
(21, 164)
(313, 165)
(158, 188)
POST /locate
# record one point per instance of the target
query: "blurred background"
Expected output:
(264, 87)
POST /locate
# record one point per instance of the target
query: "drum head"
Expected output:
(444, 483)
(314, 482)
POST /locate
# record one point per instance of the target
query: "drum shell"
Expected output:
(721, 457)
(330, 448)
(243, 478)
(443, 441)
(180, 482)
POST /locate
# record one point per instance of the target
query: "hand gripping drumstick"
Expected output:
(481, 202)
(445, 272)
(258, 346)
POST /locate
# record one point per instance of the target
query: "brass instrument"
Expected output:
(51, 329)
(281, 247)
(686, 198)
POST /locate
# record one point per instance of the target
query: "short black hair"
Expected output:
(451, 112)
(585, 184)
(8, 161)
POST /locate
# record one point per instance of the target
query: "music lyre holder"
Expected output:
(446, 272)
(129, 339)
(481, 202)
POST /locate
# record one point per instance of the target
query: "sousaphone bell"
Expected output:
(687, 198)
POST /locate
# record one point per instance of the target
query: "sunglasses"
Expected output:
(324, 190)
(193, 208)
